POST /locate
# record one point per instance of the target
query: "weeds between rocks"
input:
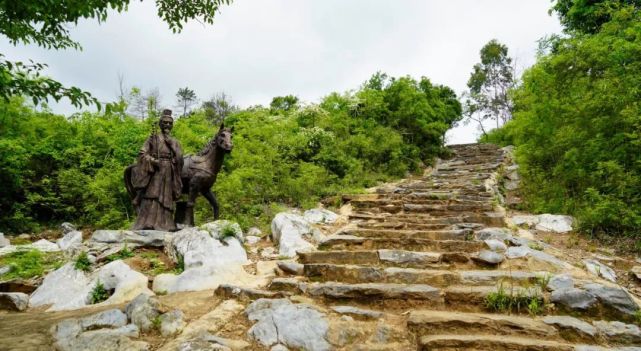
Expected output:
(30, 264)
(508, 302)
(99, 293)
(82, 263)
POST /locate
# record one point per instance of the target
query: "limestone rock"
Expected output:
(636, 272)
(320, 215)
(525, 221)
(408, 257)
(357, 312)
(197, 248)
(65, 288)
(571, 324)
(573, 298)
(202, 278)
(14, 301)
(291, 267)
(44, 246)
(613, 297)
(4, 241)
(114, 318)
(616, 331)
(125, 282)
(599, 269)
(104, 340)
(252, 240)
(153, 238)
(554, 223)
(67, 227)
(71, 241)
(501, 234)
(495, 245)
(108, 236)
(143, 310)
(561, 281)
(253, 231)
(489, 257)
(223, 228)
(172, 323)
(289, 231)
(297, 326)
(5, 269)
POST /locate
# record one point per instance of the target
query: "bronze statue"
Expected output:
(154, 182)
(199, 175)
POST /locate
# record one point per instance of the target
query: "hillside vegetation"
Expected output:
(577, 122)
(55, 168)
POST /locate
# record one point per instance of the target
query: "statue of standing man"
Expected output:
(156, 178)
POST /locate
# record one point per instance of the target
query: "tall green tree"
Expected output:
(489, 86)
(186, 99)
(587, 16)
(46, 24)
(218, 107)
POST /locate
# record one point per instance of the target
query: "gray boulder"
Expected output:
(613, 297)
(4, 241)
(320, 215)
(495, 245)
(554, 223)
(172, 323)
(298, 326)
(71, 241)
(525, 221)
(561, 281)
(289, 232)
(572, 325)
(114, 318)
(619, 332)
(67, 227)
(222, 228)
(14, 301)
(489, 257)
(142, 311)
(65, 288)
(501, 234)
(599, 269)
(573, 298)
(291, 267)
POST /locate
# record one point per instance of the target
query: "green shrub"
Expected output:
(82, 262)
(510, 301)
(98, 293)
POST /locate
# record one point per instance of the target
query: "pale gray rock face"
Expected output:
(407, 257)
(573, 298)
(67, 227)
(172, 323)
(291, 267)
(489, 257)
(136, 238)
(70, 241)
(636, 272)
(5, 269)
(65, 288)
(4, 241)
(14, 301)
(298, 326)
(619, 332)
(517, 252)
(320, 215)
(108, 236)
(45, 246)
(571, 324)
(289, 232)
(142, 311)
(495, 245)
(561, 281)
(279, 347)
(125, 282)
(253, 231)
(501, 234)
(613, 297)
(357, 312)
(252, 240)
(198, 248)
(554, 223)
(217, 229)
(599, 269)
(114, 318)
(525, 221)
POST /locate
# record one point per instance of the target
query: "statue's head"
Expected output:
(223, 138)
(166, 122)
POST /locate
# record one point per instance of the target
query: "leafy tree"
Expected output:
(587, 16)
(218, 107)
(284, 103)
(489, 86)
(186, 98)
(46, 23)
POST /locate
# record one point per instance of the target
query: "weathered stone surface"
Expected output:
(5, 269)
(320, 215)
(289, 231)
(114, 318)
(229, 291)
(402, 257)
(231, 344)
(554, 223)
(495, 245)
(65, 288)
(223, 228)
(252, 240)
(14, 301)
(357, 312)
(525, 221)
(561, 281)
(291, 267)
(619, 332)
(4, 241)
(636, 272)
(203, 278)
(501, 234)
(298, 326)
(142, 311)
(254, 231)
(105, 340)
(67, 227)
(573, 298)
(599, 269)
(108, 236)
(489, 257)
(70, 241)
(171, 323)
(490, 342)
(375, 290)
(198, 248)
(571, 325)
(44, 246)
(613, 297)
(525, 251)
(125, 282)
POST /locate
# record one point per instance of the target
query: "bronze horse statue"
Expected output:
(198, 175)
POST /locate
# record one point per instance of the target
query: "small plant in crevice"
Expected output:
(504, 301)
(120, 255)
(180, 265)
(227, 231)
(637, 317)
(82, 262)
(99, 293)
(543, 281)
(156, 322)
(535, 245)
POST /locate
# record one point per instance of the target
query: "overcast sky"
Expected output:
(258, 49)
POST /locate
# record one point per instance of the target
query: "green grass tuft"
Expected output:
(99, 293)
(82, 263)
(30, 264)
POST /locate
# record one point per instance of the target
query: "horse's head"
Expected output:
(223, 138)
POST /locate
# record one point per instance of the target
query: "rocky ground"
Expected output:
(431, 263)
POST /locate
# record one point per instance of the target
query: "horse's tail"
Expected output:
(128, 185)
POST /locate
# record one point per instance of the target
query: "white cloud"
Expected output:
(258, 49)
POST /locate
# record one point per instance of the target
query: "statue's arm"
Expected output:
(146, 158)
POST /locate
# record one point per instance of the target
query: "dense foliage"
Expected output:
(57, 169)
(577, 127)
(587, 16)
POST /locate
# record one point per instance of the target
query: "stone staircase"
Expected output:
(413, 253)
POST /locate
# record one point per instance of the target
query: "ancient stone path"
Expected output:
(414, 254)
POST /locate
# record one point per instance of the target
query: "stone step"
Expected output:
(403, 225)
(446, 209)
(375, 292)
(450, 342)
(461, 297)
(434, 277)
(460, 234)
(388, 258)
(349, 242)
(428, 322)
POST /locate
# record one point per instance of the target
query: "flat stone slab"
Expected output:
(357, 312)
(572, 325)
(373, 290)
(403, 257)
(490, 342)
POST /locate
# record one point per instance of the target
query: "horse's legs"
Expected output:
(193, 194)
(209, 195)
